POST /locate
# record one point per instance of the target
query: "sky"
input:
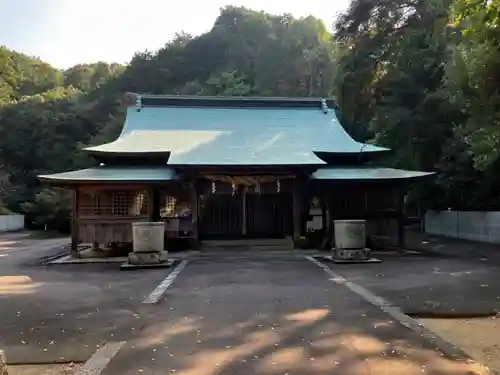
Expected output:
(67, 32)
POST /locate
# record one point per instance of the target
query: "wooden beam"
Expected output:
(75, 224)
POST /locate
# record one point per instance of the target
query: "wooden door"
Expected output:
(268, 215)
(221, 216)
(245, 215)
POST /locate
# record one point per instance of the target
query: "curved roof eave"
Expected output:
(111, 174)
(366, 173)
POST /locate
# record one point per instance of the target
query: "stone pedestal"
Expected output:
(148, 237)
(351, 254)
(145, 260)
(141, 258)
(350, 243)
(148, 246)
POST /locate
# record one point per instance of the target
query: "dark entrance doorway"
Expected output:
(245, 215)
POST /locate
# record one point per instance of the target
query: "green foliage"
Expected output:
(39, 133)
(419, 76)
(87, 77)
(50, 209)
(473, 76)
(226, 84)
(4, 210)
(47, 116)
(259, 53)
(22, 75)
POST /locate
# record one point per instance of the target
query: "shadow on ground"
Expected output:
(64, 313)
(451, 278)
(275, 316)
(431, 286)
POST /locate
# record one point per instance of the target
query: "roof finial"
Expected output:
(324, 106)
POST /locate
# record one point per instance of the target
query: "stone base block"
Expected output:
(350, 261)
(351, 254)
(166, 264)
(141, 258)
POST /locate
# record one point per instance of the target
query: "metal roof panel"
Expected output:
(366, 173)
(234, 136)
(113, 174)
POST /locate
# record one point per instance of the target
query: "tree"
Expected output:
(86, 77)
(50, 209)
(21, 75)
(418, 76)
(473, 77)
(390, 87)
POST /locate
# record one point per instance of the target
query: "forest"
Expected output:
(421, 77)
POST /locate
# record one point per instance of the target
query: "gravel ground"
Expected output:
(477, 337)
(59, 369)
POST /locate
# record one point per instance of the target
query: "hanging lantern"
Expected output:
(213, 187)
(233, 185)
(257, 188)
(278, 186)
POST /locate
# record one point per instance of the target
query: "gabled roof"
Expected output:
(233, 131)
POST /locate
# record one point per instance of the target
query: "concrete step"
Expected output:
(248, 244)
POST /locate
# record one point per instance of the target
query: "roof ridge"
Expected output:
(152, 100)
(232, 97)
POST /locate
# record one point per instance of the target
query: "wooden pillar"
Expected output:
(74, 224)
(327, 226)
(324, 208)
(154, 204)
(194, 214)
(244, 222)
(297, 213)
(401, 221)
(151, 205)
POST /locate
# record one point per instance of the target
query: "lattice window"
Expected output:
(114, 203)
(168, 204)
(174, 206)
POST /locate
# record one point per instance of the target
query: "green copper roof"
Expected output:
(232, 131)
(366, 173)
(112, 174)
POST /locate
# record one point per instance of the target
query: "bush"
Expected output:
(4, 210)
(50, 210)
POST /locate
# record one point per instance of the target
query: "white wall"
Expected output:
(467, 225)
(11, 222)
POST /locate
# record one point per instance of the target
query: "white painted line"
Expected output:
(160, 290)
(394, 311)
(358, 289)
(100, 359)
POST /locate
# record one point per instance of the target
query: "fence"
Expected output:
(468, 225)
(11, 222)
